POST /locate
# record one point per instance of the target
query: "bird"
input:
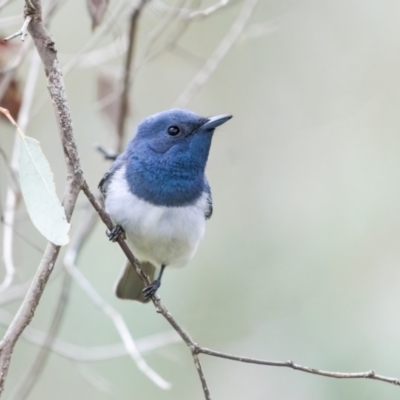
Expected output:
(158, 196)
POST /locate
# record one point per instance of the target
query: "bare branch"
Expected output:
(23, 32)
(219, 53)
(290, 364)
(77, 353)
(208, 11)
(201, 376)
(127, 73)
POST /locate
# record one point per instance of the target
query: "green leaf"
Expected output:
(38, 189)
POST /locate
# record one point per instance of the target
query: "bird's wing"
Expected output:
(116, 165)
(209, 209)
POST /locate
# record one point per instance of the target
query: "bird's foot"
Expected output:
(150, 290)
(115, 233)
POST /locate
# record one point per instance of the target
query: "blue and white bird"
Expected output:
(157, 194)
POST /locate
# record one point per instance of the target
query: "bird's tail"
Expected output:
(130, 286)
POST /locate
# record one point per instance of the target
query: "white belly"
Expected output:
(161, 235)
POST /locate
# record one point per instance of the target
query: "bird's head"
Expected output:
(175, 132)
(168, 155)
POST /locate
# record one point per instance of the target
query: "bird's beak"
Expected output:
(213, 122)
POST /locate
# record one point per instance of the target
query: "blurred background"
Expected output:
(301, 258)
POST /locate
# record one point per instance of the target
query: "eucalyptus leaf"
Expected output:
(38, 189)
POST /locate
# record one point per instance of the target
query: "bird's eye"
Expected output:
(173, 130)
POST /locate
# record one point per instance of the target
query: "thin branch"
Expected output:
(208, 11)
(219, 53)
(156, 300)
(290, 364)
(201, 376)
(78, 353)
(87, 222)
(123, 110)
(23, 32)
(4, 3)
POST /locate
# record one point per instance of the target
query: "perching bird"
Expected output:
(157, 194)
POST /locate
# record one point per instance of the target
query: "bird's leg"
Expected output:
(115, 233)
(150, 290)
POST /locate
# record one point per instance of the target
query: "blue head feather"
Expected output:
(166, 169)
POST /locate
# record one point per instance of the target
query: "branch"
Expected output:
(76, 353)
(209, 10)
(156, 300)
(45, 47)
(290, 364)
(109, 311)
(23, 32)
(219, 53)
(123, 109)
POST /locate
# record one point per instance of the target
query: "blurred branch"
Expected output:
(4, 3)
(208, 11)
(23, 32)
(123, 110)
(115, 317)
(77, 353)
(219, 53)
(32, 376)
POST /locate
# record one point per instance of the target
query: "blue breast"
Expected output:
(172, 179)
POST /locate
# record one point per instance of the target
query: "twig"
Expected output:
(219, 53)
(195, 348)
(78, 353)
(123, 107)
(32, 376)
(23, 32)
(290, 364)
(201, 376)
(209, 10)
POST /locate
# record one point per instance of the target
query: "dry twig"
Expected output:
(219, 53)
